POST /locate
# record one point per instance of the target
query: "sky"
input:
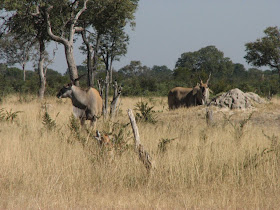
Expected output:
(167, 28)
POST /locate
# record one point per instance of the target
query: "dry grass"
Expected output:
(225, 166)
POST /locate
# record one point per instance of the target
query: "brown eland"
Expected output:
(187, 97)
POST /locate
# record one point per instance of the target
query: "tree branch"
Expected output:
(143, 154)
(49, 28)
(79, 29)
(37, 12)
(79, 14)
(272, 65)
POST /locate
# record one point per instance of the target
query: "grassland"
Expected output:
(46, 164)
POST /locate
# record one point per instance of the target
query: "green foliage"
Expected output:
(145, 113)
(2, 114)
(265, 51)
(8, 116)
(75, 129)
(11, 81)
(139, 80)
(120, 133)
(206, 60)
(48, 122)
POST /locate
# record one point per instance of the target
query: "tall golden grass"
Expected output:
(233, 164)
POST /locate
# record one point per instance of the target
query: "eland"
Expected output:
(87, 104)
(187, 97)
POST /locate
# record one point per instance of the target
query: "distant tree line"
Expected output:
(140, 80)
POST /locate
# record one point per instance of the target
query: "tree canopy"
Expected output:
(265, 51)
(199, 64)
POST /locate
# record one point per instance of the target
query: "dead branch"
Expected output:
(144, 156)
(100, 84)
(116, 97)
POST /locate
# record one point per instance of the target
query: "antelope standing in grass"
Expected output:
(87, 104)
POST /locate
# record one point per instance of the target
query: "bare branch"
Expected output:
(80, 12)
(49, 28)
(143, 154)
(51, 61)
(79, 29)
(116, 97)
(272, 65)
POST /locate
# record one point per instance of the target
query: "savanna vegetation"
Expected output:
(140, 80)
(48, 162)
(27, 27)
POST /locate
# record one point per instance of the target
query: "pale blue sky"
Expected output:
(167, 28)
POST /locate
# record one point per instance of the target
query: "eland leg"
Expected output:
(93, 122)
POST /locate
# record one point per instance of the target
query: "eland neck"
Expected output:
(79, 97)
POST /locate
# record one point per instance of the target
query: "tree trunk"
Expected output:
(111, 71)
(116, 97)
(95, 58)
(107, 86)
(68, 43)
(90, 78)
(278, 77)
(71, 63)
(42, 74)
(24, 74)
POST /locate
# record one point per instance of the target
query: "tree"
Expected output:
(62, 24)
(161, 73)
(28, 28)
(193, 66)
(134, 69)
(105, 37)
(266, 50)
(113, 45)
(16, 51)
(205, 61)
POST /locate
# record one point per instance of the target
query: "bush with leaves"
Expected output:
(48, 122)
(8, 116)
(145, 113)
